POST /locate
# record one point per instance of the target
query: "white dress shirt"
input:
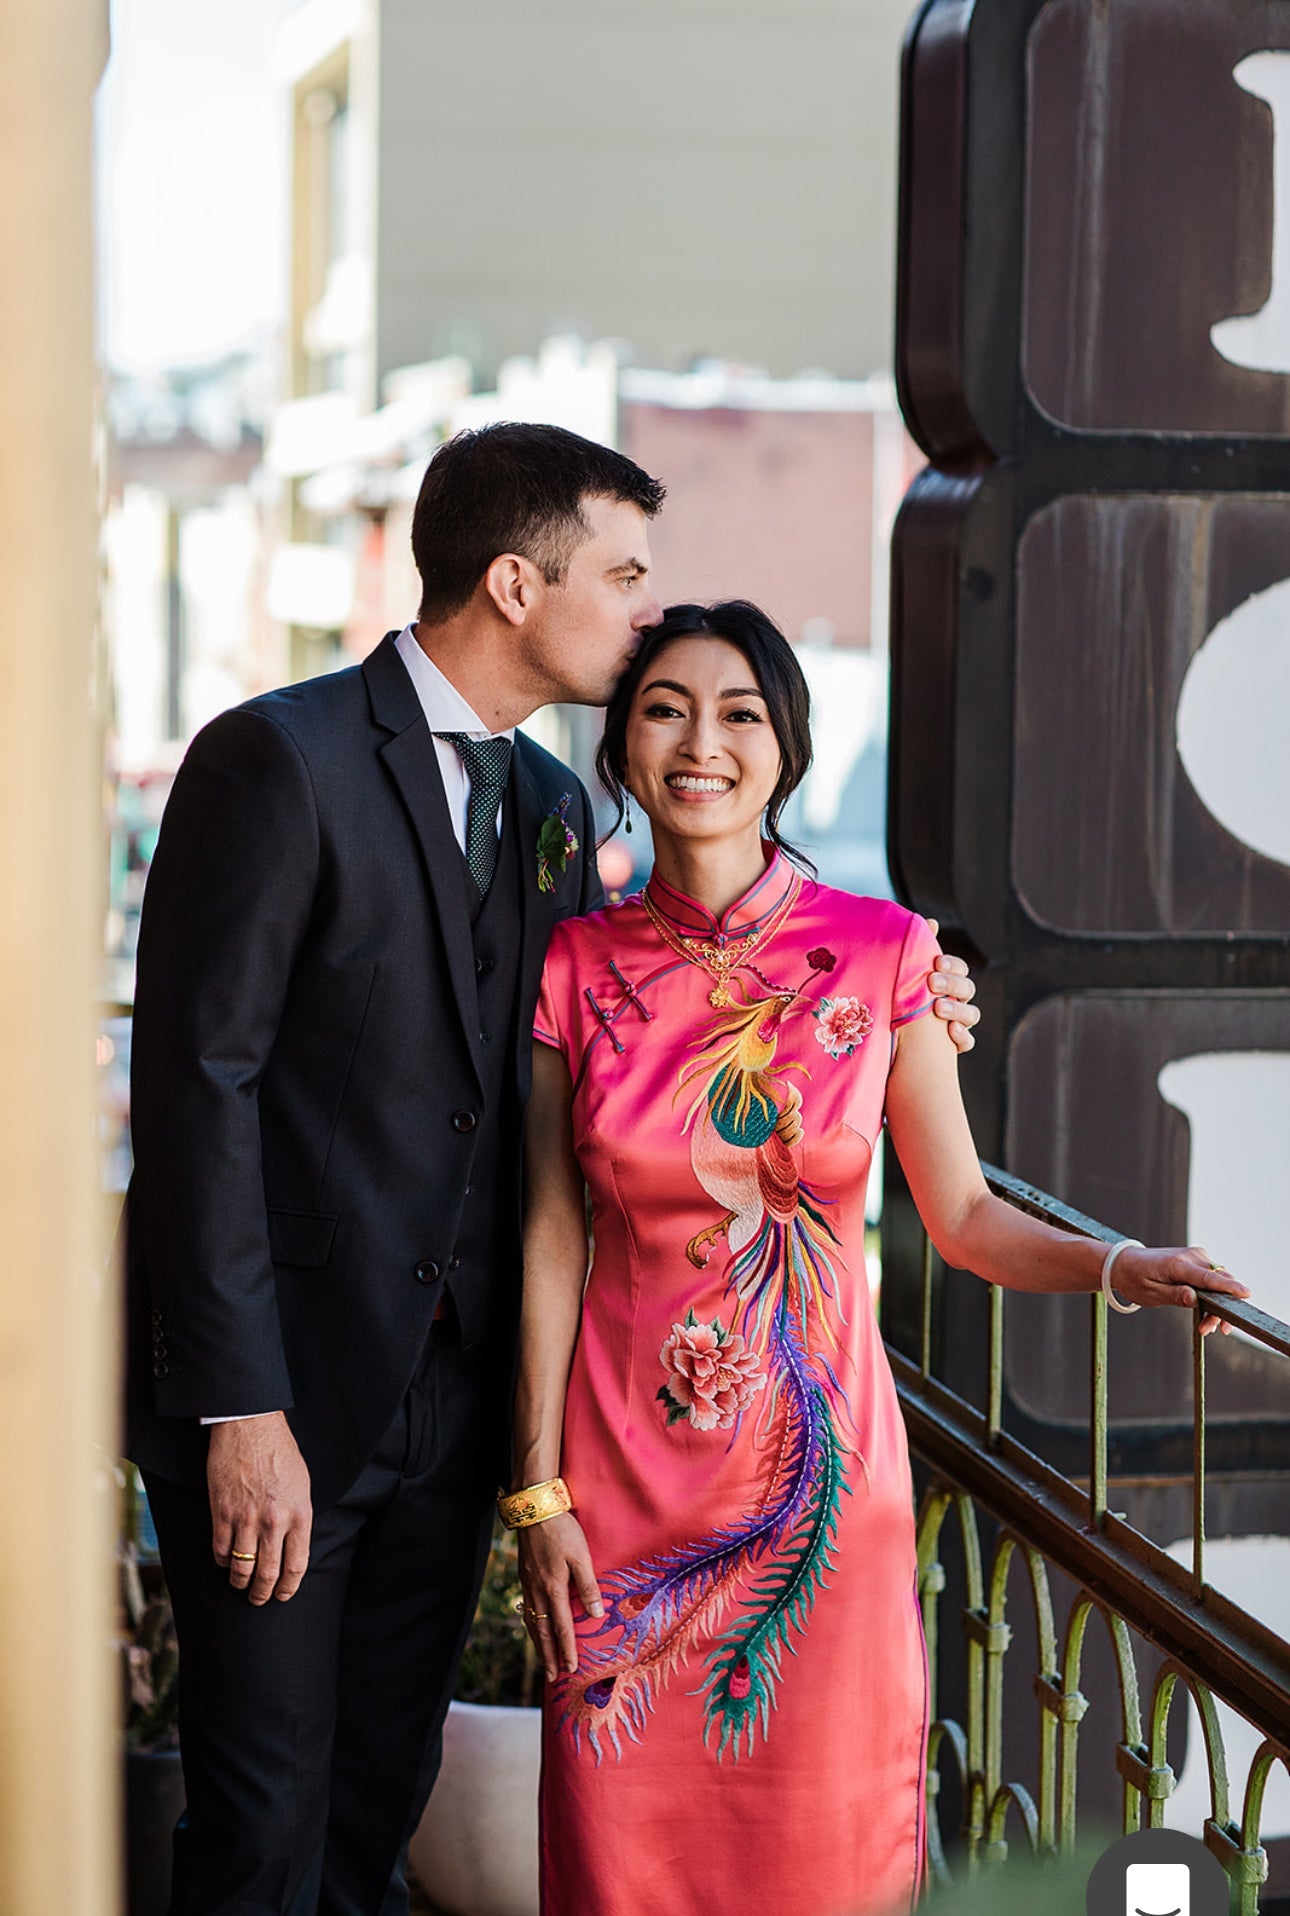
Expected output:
(446, 711)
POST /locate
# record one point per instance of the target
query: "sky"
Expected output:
(191, 185)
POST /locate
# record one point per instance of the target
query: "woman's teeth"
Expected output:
(685, 782)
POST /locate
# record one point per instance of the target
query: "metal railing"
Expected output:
(1211, 1648)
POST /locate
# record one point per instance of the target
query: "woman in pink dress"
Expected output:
(736, 1715)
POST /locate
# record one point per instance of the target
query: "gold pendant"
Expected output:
(719, 996)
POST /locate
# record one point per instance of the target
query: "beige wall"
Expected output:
(57, 1749)
(776, 507)
(698, 177)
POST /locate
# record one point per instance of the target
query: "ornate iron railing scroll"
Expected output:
(1212, 1649)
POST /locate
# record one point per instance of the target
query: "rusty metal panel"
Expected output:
(1087, 1117)
(1164, 168)
(1056, 583)
(1116, 595)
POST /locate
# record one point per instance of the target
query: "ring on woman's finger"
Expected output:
(1218, 1267)
(522, 1609)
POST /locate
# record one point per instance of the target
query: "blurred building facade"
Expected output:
(185, 529)
(703, 180)
(688, 183)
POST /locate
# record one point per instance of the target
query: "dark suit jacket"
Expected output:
(304, 1066)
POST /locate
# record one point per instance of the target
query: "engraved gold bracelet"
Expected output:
(534, 1504)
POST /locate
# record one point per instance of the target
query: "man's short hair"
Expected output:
(512, 488)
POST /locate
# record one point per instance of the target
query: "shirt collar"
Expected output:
(445, 709)
(748, 913)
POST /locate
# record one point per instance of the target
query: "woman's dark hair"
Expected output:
(512, 488)
(775, 667)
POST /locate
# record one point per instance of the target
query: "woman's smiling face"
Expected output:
(702, 755)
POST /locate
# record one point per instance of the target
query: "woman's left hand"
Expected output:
(1154, 1277)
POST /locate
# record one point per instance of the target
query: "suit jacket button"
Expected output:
(464, 1120)
(161, 1370)
(427, 1272)
(454, 1263)
(156, 1317)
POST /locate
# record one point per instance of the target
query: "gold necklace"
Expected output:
(719, 961)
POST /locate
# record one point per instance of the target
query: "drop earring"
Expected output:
(627, 825)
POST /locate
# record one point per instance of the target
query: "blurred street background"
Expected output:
(333, 233)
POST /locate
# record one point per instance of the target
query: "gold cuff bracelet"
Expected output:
(534, 1504)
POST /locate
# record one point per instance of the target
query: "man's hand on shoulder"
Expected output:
(954, 991)
(261, 1513)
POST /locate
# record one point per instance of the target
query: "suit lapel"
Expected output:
(409, 756)
(536, 915)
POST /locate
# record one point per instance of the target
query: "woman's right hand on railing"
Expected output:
(555, 1559)
(1154, 1277)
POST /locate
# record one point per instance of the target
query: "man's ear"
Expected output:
(512, 584)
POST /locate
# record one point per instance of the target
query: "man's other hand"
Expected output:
(261, 1514)
(954, 991)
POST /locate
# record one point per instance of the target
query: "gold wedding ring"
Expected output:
(244, 1556)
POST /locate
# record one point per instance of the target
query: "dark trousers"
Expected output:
(311, 1730)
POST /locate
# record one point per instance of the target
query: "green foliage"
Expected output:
(1019, 1887)
(500, 1664)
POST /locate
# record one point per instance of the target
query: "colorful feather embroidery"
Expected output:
(740, 1594)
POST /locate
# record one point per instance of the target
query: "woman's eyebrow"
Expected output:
(731, 692)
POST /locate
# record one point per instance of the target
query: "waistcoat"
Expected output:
(484, 1268)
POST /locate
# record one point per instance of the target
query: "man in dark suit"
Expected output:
(340, 953)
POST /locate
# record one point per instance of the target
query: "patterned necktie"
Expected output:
(488, 763)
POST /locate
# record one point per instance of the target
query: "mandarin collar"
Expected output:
(693, 920)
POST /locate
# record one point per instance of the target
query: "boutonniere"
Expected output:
(556, 844)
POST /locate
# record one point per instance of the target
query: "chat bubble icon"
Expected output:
(1157, 1889)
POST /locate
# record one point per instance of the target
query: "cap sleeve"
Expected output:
(911, 997)
(552, 1022)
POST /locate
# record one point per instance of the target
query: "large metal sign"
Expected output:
(1090, 784)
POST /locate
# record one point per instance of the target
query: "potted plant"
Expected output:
(475, 1852)
(154, 1781)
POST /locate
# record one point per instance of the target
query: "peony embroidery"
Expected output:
(842, 1025)
(712, 1376)
(556, 844)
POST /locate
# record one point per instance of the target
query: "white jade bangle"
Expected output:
(1108, 1264)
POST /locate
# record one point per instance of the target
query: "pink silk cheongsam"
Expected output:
(746, 1728)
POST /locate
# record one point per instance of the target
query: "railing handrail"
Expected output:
(1242, 1660)
(1036, 1203)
